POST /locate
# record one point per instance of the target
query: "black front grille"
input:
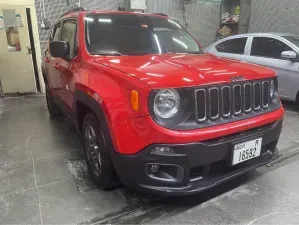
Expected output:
(217, 167)
(233, 100)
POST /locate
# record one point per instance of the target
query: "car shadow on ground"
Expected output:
(162, 206)
(290, 106)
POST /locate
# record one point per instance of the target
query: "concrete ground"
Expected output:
(43, 180)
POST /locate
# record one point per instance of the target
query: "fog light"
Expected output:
(164, 172)
(163, 151)
(155, 168)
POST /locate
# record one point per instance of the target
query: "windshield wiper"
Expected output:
(191, 52)
(107, 53)
(195, 52)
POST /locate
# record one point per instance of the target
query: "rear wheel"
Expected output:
(52, 107)
(97, 157)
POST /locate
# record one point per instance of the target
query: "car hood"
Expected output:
(183, 70)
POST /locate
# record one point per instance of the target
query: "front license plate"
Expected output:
(247, 150)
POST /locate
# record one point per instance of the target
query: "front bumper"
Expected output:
(200, 166)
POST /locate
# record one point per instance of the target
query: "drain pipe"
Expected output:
(1, 90)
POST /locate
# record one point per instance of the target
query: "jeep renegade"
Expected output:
(153, 111)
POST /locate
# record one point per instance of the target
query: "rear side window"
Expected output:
(233, 46)
(268, 47)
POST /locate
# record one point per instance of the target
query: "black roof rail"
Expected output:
(76, 9)
(121, 9)
(160, 14)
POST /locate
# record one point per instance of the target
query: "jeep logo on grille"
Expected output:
(237, 79)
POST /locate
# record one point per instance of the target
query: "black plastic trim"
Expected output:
(96, 109)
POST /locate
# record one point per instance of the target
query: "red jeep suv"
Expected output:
(153, 111)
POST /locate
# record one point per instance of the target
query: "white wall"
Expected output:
(16, 2)
(274, 16)
(203, 17)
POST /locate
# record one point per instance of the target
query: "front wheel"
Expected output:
(98, 159)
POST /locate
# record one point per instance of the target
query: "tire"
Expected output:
(96, 155)
(297, 99)
(52, 107)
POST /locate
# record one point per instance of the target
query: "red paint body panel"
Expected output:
(112, 78)
(182, 70)
(134, 135)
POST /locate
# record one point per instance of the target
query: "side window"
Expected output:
(233, 46)
(56, 33)
(69, 35)
(268, 47)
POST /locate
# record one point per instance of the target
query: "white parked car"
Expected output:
(277, 51)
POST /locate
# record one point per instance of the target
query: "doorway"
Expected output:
(33, 50)
(19, 58)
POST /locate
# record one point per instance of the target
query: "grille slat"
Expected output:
(266, 94)
(214, 103)
(257, 95)
(247, 98)
(238, 99)
(237, 91)
(226, 101)
(201, 104)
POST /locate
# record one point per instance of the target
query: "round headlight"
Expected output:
(272, 88)
(166, 103)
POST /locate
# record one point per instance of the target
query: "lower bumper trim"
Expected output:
(207, 183)
(203, 165)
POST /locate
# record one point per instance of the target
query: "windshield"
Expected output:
(120, 34)
(293, 39)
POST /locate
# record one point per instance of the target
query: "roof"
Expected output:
(265, 34)
(81, 10)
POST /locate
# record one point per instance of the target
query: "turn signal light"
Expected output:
(135, 100)
(162, 151)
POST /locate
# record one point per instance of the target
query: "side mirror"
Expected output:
(290, 55)
(59, 49)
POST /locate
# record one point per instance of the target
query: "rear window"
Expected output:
(233, 46)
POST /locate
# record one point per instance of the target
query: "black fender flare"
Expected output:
(96, 109)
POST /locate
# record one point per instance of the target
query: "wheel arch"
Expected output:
(83, 104)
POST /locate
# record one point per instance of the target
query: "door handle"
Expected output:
(57, 66)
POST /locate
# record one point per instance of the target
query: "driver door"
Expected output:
(52, 64)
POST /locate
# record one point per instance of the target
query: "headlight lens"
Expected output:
(166, 103)
(272, 88)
